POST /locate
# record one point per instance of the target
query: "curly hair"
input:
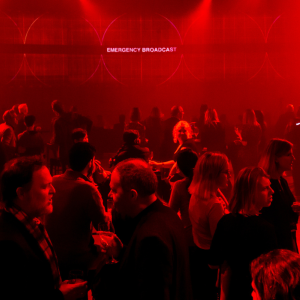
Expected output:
(182, 124)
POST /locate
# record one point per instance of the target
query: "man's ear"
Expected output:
(20, 193)
(134, 194)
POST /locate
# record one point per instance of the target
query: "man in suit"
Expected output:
(28, 264)
(154, 264)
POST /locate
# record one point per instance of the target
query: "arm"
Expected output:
(175, 198)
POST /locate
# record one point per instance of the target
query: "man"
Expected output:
(154, 264)
(28, 264)
(30, 142)
(77, 204)
(168, 146)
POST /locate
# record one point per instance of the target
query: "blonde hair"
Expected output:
(245, 188)
(207, 170)
(211, 116)
(276, 148)
(179, 125)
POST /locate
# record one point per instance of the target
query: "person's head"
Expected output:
(23, 109)
(133, 185)
(135, 115)
(57, 107)
(186, 161)
(122, 118)
(249, 117)
(252, 191)
(29, 120)
(182, 131)
(156, 113)
(131, 137)
(9, 117)
(290, 108)
(211, 116)
(81, 157)
(79, 135)
(177, 111)
(26, 182)
(276, 275)
(211, 173)
(277, 157)
(260, 117)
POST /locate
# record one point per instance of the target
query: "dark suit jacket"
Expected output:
(155, 262)
(25, 273)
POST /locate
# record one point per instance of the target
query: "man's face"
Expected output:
(38, 199)
(121, 197)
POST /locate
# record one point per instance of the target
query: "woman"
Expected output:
(243, 235)
(278, 158)
(134, 124)
(207, 206)
(276, 275)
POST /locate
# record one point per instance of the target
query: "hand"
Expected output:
(110, 243)
(296, 207)
(153, 163)
(73, 291)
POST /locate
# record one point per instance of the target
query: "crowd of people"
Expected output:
(226, 229)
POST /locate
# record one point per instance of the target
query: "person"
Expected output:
(28, 264)
(131, 148)
(167, 146)
(30, 142)
(213, 132)
(7, 134)
(134, 124)
(276, 159)
(284, 119)
(207, 206)
(154, 265)
(276, 275)
(22, 113)
(243, 234)
(79, 135)
(77, 204)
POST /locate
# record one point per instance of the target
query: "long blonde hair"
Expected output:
(208, 169)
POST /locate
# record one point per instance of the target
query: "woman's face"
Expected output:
(285, 162)
(224, 177)
(263, 193)
(182, 134)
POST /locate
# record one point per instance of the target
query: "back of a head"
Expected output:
(137, 174)
(18, 173)
(57, 106)
(245, 188)
(207, 170)
(249, 117)
(276, 275)
(186, 161)
(276, 148)
(78, 134)
(290, 108)
(176, 111)
(130, 136)
(23, 109)
(135, 115)
(29, 120)
(211, 116)
(155, 113)
(9, 116)
(80, 155)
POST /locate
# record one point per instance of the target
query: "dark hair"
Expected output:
(276, 275)
(80, 155)
(175, 110)
(130, 136)
(135, 115)
(137, 174)
(29, 120)
(78, 133)
(18, 173)
(186, 162)
(57, 106)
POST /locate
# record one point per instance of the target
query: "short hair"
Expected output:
(186, 161)
(245, 188)
(78, 133)
(29, 120)
(80, 155)
(135, 114)
(23, 108)
(57, 106)
(211, 116)
(130, 136)
(180, 124)
(276, 275)
(275, 148)
(137, 174)
(175, 110)
(18, 173)
(206, 173)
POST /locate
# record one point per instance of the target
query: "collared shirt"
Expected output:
(38, 231)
